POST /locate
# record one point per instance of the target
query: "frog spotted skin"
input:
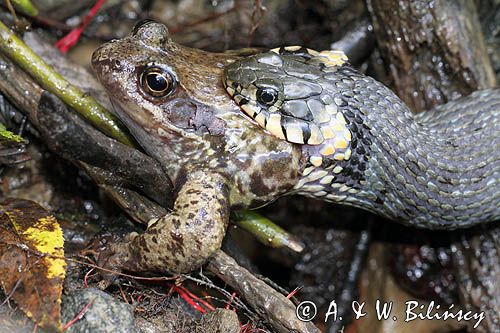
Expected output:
(214, 155)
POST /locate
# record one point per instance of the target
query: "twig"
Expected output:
(11, 9)
(18, 282)
(78, 316)
(257, 14)
(65, 43)
(86, 277)
(179, 28)
(125, 299)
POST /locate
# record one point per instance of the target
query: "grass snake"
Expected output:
(438, 169)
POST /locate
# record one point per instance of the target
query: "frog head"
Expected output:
(173, 100)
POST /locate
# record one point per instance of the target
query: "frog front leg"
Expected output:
(184, 239)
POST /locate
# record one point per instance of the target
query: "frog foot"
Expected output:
(182, 240)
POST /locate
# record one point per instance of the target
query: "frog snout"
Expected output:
(101, 56)
(106, 62)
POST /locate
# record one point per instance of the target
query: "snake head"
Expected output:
(282, 90)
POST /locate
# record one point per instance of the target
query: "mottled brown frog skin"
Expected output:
(217, 158)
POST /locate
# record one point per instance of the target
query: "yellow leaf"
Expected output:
(38, 273)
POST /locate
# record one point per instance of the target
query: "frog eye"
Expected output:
(157, 82)
(267, 96)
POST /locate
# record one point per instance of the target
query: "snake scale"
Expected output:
(438, 169)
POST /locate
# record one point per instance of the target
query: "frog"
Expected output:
(237, 133)
(172, 99)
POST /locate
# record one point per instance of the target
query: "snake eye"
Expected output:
(157, 82)
(267, 96)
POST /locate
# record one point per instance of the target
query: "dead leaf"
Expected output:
(32, 270)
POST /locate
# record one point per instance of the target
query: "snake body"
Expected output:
(439, 169)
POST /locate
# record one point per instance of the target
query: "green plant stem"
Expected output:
(266, 231)
(53, 82)
(25, 6)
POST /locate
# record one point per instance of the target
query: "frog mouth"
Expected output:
(132, 123)
(145, 126)
(144, 131)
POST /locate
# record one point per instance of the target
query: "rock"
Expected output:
(105, 314)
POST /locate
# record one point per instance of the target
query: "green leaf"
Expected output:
(7, 136)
